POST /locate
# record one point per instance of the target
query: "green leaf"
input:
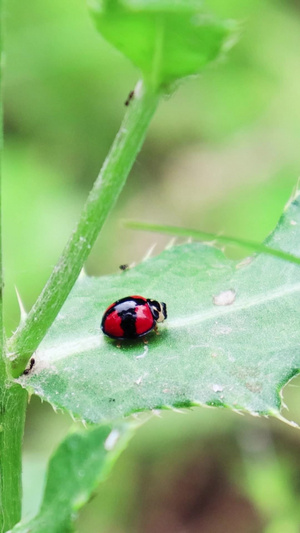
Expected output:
(237, 355)
(81, 461)
(168, 40)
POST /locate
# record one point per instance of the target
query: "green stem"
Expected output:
(158, 51)
(2, 359)
(13, 398)
(100, 201)
(13, 401)
(203, 236)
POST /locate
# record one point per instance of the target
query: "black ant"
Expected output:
(129, 98)
(124, 267)
(31, 364)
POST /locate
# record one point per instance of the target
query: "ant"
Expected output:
(31, 364)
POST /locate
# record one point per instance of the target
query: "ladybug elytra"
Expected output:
(132, 317)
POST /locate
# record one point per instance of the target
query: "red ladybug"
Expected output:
(132, 317)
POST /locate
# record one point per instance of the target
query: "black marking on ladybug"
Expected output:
(132, 317)
(128, 323)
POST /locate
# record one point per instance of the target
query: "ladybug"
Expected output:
(132, 317)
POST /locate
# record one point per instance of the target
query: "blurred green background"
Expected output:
(222, 155)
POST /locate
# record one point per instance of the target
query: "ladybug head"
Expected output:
(159, 310)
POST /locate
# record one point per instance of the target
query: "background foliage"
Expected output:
(221, 155)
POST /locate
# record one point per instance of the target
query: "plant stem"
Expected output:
(101, 200)
(12, 397)
(13, 401)
(2, 355)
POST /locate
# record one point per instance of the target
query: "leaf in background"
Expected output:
(232, 337)
(166, 39)
(81, 461)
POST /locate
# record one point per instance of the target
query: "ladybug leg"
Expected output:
(119, 345)
(145, 341)
(156, 329)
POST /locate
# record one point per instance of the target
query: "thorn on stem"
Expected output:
(23, 313)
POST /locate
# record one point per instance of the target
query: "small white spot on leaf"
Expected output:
(225, 297)
(217, 388)
(222, 330)
(146, 349)
(293, 223)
